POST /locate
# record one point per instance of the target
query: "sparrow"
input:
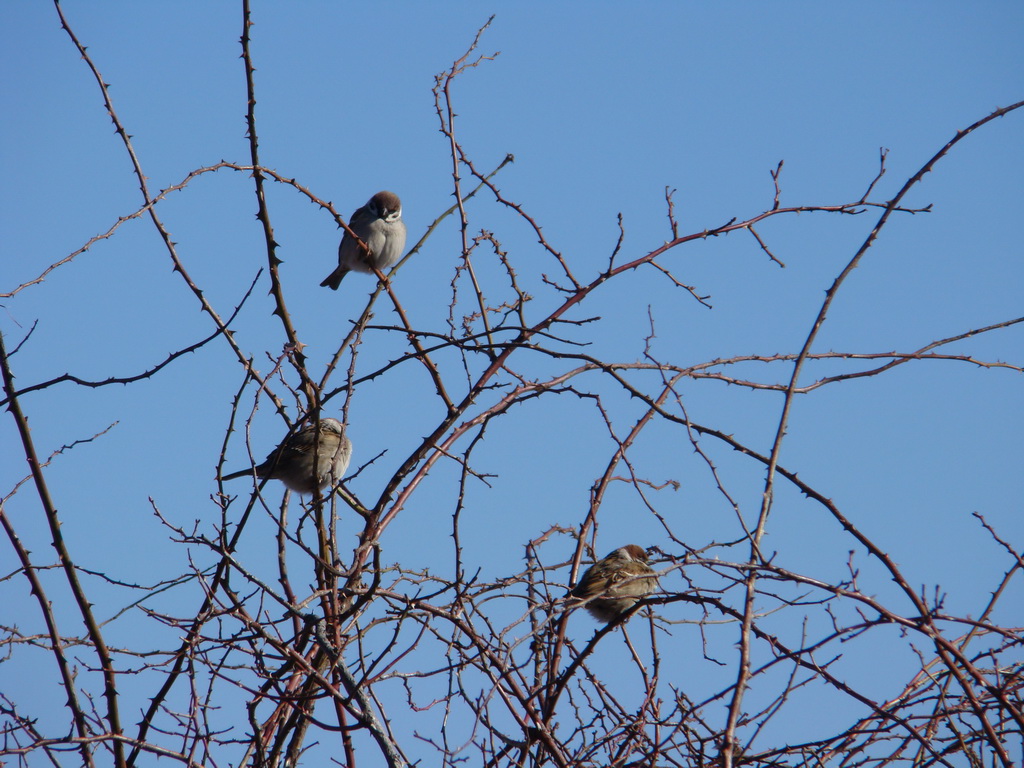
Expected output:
(292, 461)
(614, 584)
(379, 224)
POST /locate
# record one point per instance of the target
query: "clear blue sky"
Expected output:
(604, 106)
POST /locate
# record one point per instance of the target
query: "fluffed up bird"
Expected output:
(614, 584)
(292, 462)
(379, 224)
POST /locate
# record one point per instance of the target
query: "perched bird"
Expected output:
(379, 224)
(292, 461)
(612, 585)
